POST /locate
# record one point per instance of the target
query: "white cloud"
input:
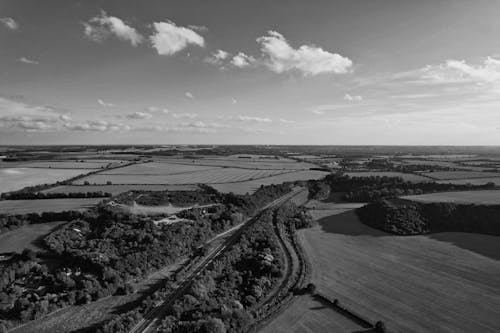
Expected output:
(317, 111)
(189, 95)
(65, 117)
(169, 38)
(217, 57)
(139, 115)
(456, 71)
(353, 98)
(254, 119)
(105, 104)
(200, 28)
(184, 115)
(28, 61)
(287, 121)
(307, 59)
(100, 27)
(10, 23)
(158, 109)
(98, 126)
(234, 100)
(242, 60)
(29, 123)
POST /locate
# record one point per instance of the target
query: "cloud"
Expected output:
(353, 98)
(287, 121)
(28, 61)
(242, 60)
(200, 28)
(309, 60)
(29, 123)
(189, 95)
(457, 71)
(101, 26)
(253, 119)
(158, 109)
(65, 117)
(97, 126)
(169, 38)
(105, 104)
(317, 111)
(139, 115)
(234, 100)
(9, 23)
(217, 57)
(184, 115)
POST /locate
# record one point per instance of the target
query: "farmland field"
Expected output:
(473, 181)
(45, 205)
(26, 237)
(252, 185)
(445, 175)
(219, 175)
(254, 163)
(406, 176)
(16, 178)
(117, 189)
(445, 282)
(486, 197)
(71, 164)
(155, 168)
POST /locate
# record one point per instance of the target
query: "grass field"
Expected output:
(406, 176)
(45, 205)
(445, 282)
(26, 237)
(213, 176)
(252, 185)
(72, 164)
(116, 189)
(445, 175)
(473, 181)
(486, 197)
(16, 178)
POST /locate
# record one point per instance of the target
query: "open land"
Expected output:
(486, 197)
(46, 205)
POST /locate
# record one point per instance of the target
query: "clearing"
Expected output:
(486, 197)
(26, 237)
(46, 205)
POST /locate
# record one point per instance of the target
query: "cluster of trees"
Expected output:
(63, 195)
(369, 189)
(404, 217)
(99, 252)
(11, 222)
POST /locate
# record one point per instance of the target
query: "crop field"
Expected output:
(26, 237)
(45, 205)
(155, 168)
(255, 163)
(252, 185)
(473, 181)
(406, 176)
(16, 178)
(446, 175)
(117, 189)
(212, 176)
(71, 164)
(309, 315)
(486, 197)
(444, 282)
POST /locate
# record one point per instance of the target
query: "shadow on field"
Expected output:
(347, 223)
(485, 245)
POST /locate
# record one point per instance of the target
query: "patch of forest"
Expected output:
(405, 217)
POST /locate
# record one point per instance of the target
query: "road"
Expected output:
(153, 318)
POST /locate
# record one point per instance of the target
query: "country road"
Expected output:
(151, 319)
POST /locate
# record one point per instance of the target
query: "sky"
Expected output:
(350, 72)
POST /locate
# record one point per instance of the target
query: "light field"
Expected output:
(486, 197)
(446, 175)
(406, 176)
(17, 178)
(70, 164)
(220, 175)
(252, 185)
(154, 168)
(26, 237)
(116, 189)
(45, 205)
(263, 163)
(446, 282)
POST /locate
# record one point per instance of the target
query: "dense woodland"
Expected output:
(370, 189)
(404, 217)
(99, 252)
(223, 298)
